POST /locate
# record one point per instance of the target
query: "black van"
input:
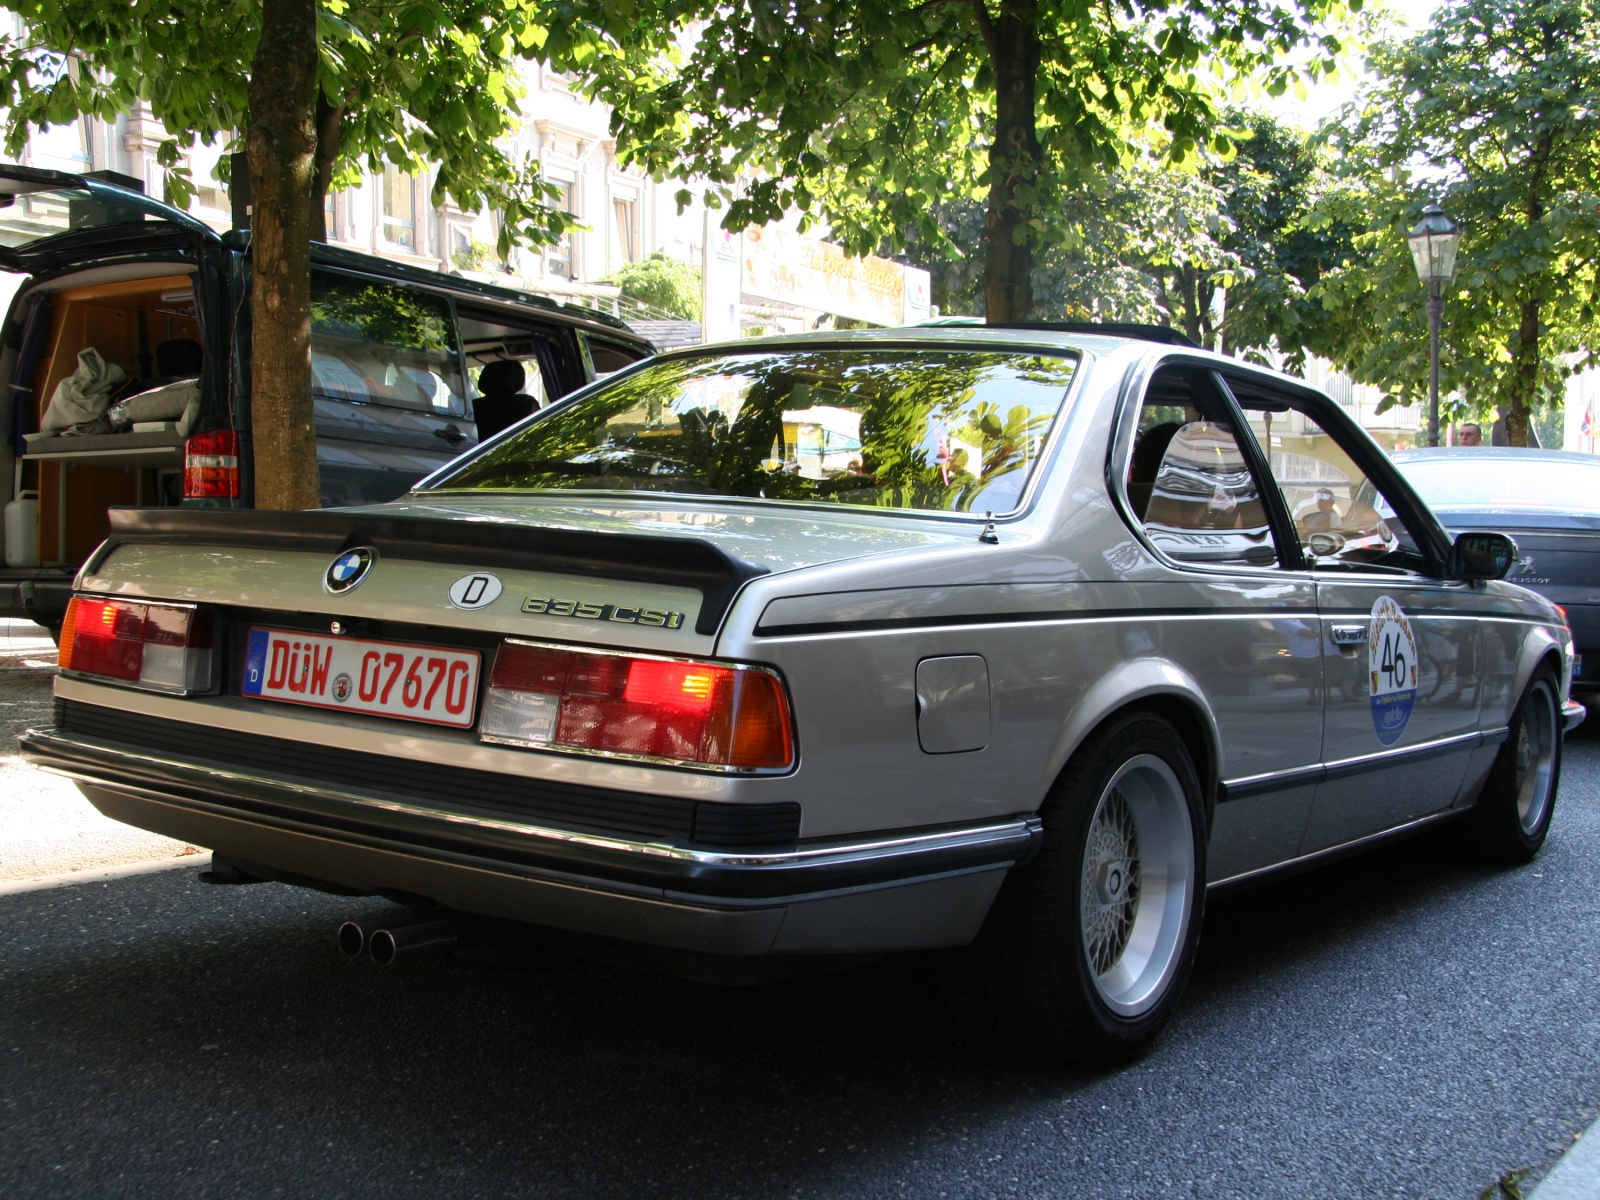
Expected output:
(165, 301)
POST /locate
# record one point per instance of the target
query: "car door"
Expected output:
(1400, 652)
(1244, 623)
(387, 385)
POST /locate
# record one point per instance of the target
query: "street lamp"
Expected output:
(1433, 249)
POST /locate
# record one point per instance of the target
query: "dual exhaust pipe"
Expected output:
(405, 935)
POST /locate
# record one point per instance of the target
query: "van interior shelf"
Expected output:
(148, 450)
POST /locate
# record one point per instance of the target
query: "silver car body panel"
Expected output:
(1072, 612)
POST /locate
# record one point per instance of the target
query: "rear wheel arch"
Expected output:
(1156, 686)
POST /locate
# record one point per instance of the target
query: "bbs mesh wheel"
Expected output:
(1088, 947)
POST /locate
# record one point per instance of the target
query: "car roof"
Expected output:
(975, 336)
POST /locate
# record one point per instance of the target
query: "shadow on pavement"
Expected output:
(174, 1039)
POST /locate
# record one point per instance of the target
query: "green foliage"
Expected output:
(389, 316)
(873, 114)
(666, 283)
(478, 256)
(415, 84)
(1495, 108)
(1154, 242)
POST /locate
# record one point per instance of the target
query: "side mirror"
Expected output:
(1482, 556)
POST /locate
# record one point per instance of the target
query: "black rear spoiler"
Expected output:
(480, 543)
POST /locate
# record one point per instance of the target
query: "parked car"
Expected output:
(1548, 502)
(1086, 627)
(132, 300)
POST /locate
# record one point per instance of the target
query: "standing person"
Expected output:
(1471, 435)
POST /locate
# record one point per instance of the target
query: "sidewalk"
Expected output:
(47, 828)
(1576, 1175)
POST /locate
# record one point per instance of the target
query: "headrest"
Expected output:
(502, 377)
(181, 356)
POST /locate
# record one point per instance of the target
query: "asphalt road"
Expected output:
(1405, 1025)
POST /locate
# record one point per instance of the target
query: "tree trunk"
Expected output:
(329, 120)
(1525, 378)
(282, 145)
(1015, 157)
(1193, 314)
(1525, 358)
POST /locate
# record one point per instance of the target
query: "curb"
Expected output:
(99, 875)
(1576, 1175)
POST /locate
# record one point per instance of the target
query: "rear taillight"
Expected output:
(671, 710)
(162, 647)
(211, 466)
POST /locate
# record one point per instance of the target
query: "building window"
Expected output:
(627, 231)
(399, 209)
(63, 147)
(558, 258)
(208, 193)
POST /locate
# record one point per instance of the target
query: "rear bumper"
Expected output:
(900, 890)
(1572, 715)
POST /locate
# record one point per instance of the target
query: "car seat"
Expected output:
(1148, 454)
(502, 402)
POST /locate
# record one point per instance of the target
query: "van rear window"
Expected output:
(375, 343)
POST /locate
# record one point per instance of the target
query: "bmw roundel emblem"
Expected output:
(348, 570)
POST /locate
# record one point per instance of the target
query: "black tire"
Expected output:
(1027, 981)
(1512, 816)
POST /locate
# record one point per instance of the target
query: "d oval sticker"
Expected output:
(475, 591)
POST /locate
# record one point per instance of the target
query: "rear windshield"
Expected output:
(28, 216)
(1505, 484)
(942, 430)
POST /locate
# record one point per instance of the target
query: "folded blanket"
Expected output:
(169, 403)
(80, 400)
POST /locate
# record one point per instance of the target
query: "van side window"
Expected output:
(1188, 482)
(609, 357)
(376, 343)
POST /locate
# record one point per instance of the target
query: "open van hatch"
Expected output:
(50, 218)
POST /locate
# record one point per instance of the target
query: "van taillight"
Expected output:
(211, 466)
(161, 647)
(666, 709)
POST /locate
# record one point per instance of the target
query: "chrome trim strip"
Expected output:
(1373, 762)
(1319, 858)
(879, 847)
(1277, 781)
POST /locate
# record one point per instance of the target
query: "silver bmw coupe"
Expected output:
(771, 656)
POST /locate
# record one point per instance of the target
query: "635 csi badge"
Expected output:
(1392, 661)
(622, 614)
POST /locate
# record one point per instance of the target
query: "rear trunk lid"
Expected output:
(657, 577)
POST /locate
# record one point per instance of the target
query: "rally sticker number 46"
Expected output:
(1392, 663)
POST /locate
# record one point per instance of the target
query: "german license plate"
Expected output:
(387, 679)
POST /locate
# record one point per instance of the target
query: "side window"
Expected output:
(1341, 517)
(377, 343)
(608, 357)
(1189, 483)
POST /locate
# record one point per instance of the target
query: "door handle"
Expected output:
(1348, 635)
(450, 434)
